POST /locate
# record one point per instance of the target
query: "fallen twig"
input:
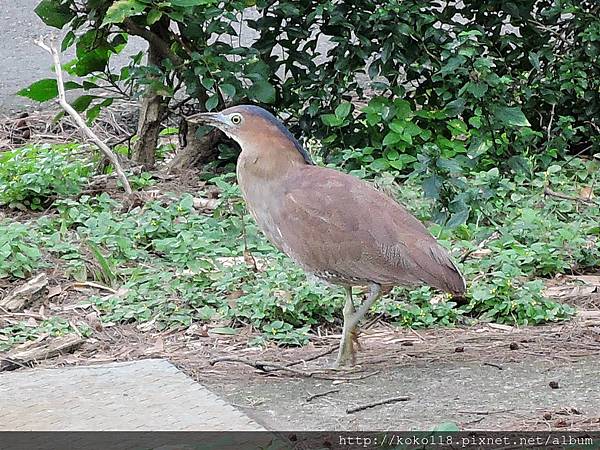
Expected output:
(377, 403)
(480, 246)
(264, 365)
(310, 398)
(312, 358)
(487, 413)
(53, 347)
(62, 100)
(549, 192)
(80, 284)
(493, 365)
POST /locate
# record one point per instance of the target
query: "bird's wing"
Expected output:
(336, 223)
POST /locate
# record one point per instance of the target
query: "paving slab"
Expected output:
(146, 395)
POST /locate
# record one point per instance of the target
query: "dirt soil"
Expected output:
(481, 378)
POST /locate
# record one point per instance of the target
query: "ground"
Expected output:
(483, 377)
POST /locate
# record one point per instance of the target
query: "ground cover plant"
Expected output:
(171, 265)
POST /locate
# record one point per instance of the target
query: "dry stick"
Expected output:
(310, 398)
(549, 192)
(493, 365)
(262, 366)
(487, 413)
(481, 245)
(312, 358)
(377, 403)
(62, 100)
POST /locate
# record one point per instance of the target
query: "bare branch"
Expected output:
(550, 193)
(62, 100)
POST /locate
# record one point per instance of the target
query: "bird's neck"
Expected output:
(268, 163)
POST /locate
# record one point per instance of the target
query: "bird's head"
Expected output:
(251, 127)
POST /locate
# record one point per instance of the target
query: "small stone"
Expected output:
(514, 346)
(553, 384)
(547, 416)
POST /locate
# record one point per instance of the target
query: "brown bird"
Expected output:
(335, 226)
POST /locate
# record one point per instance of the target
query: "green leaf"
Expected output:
(398, 126)
(455, 107)
(380, 164)
(122, 9)
(93, 113)
(392, 138)
(67, 41)
(403, 109)
(262, 91)
(228, 89)
(190, 3)
(153, 16)
(212, 102)
(41, 91)
(458, 218)
(555, 168)
(510, 115)
(54, 13)
(331, 121)
(105, 266)
(432, 185)
(343, 109)
(82, 102)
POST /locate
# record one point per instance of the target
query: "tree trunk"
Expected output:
(195, 151)
(152, 110)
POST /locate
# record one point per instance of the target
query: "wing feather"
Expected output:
(335, 223)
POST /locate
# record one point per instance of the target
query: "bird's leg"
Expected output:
(346, 352)
(374, 293)
(351, 320)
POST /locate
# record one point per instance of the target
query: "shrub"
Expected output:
(34, 176)
(19, 255)
(487, 83)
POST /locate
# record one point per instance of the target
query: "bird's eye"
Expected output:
(236, 119)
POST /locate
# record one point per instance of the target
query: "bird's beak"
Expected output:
(214, 119)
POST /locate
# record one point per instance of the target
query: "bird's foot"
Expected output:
(346, 356)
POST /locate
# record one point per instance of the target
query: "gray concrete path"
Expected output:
(517, 396)
(147, 395)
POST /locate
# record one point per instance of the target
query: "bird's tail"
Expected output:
(448, 277)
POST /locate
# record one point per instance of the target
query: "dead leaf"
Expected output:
(499, 326)
(54, 291)
(94, 321)
(197, 330)
(26, 294)
(482, 252)
(158, 347)
(209, 204)
(587, 279)
(570, 291)
(586, 193)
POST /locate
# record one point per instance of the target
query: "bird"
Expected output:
(335, 226)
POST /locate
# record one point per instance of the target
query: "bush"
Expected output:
(34, 176)
(19, 255)
(488, 84)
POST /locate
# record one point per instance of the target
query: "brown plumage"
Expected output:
(334, 225)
